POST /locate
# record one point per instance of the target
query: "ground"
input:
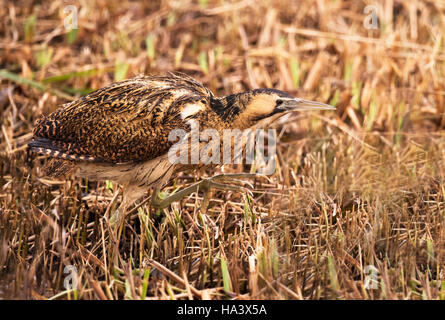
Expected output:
(355, 209)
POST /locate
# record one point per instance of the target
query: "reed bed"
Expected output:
(358, 194)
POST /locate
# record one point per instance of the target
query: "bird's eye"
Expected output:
(279, 102)
(203, 101)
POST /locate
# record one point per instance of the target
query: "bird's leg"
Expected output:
(206, 185)
(129, 195)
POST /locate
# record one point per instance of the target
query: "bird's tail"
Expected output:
(58, 149)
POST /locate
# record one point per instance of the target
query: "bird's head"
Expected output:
(261, 107)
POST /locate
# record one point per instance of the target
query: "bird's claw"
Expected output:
(205, 185)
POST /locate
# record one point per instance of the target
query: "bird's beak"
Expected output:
(296, 104)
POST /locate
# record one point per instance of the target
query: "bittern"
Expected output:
(121, 132)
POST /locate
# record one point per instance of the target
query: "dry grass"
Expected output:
(361, 186)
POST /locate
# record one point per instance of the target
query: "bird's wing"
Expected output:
(125, 121)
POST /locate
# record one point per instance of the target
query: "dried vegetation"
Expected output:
(360, 187)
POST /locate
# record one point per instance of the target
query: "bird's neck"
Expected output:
(228, 107)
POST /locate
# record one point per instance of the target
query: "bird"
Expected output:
(122, 132)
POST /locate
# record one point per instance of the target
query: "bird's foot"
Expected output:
(232, 183)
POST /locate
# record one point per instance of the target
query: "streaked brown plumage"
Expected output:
(120, 132)
(125, 121)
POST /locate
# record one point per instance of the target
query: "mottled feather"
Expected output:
(127, 121)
